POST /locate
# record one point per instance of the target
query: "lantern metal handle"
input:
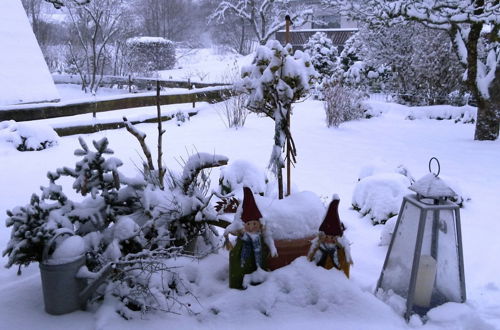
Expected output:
(438, 166)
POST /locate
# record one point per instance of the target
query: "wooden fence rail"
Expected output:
(35, 112)
(141, 83)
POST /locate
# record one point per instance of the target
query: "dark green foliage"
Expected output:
(148, 55)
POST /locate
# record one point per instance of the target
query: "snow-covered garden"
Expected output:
(330, 160)
(187, 223)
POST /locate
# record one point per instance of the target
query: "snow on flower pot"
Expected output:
(293, 223)
(289, 225)
(60, 285)
(65, 277)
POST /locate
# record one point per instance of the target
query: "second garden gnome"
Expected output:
(331, 249)
(252, 246)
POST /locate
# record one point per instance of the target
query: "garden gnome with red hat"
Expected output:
(252, 245)
(331, 249)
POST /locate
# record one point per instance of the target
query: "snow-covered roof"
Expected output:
(431, 186)
(24, 75)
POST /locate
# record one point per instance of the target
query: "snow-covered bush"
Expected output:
(27, 136)
(233, 178)
(465, 114)
(181, 117)
(274, 81)
(342, 104)
(129, 221)
(379, 196)
(323, 54)
(416, 64)
(147, 55)
(353, 70)
(233, 111)
(458, 98)
(242, 173)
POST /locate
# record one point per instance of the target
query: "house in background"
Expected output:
(338, 28)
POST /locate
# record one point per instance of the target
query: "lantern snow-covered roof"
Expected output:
(431, 186)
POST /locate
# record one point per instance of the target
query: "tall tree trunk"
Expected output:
(488, 112)
(487, 125)
(487, 120)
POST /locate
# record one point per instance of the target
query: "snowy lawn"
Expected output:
(300, 295)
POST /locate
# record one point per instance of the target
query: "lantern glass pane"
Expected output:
(448, 271)
(397, 272)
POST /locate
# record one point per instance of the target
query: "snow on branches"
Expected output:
(474, 28)
(265, 17)
(274, 81)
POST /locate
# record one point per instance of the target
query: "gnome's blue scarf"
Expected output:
(251, 243)
(329, 250)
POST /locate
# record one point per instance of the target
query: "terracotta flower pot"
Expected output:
(288, 251)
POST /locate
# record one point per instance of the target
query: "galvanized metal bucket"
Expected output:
(61, 288)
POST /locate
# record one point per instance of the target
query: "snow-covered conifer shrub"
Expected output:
(28, 137)
(415, 64)
(342, 104)
(34, 225)
(323, 54)
(147, 55)
(129, 221)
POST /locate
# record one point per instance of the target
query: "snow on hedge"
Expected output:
(465, 114)
(379, 196)
(28, 136)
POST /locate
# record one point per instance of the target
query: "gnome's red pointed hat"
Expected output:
(250, 209)
(331, 224)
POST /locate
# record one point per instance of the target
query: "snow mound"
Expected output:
(465, 114)
(296, 216)
(379, 196)
(68, 250)
(299, 288)
(242, 173)
(387, 231)
(28, 136)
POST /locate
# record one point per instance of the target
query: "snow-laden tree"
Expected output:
(274, 81)
(95, 26)
(474, 29)
(265, 17)
(409, 60)
(323, 54)
(61, 3)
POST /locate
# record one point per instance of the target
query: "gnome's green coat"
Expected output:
(238, 269)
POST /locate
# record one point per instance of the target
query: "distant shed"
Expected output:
(300, 37)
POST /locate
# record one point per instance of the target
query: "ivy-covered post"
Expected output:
(274, 81)
(288, 23)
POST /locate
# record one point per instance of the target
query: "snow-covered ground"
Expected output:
(206, 65)
(300, 295)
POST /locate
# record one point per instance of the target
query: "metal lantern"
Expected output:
(424, 263)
